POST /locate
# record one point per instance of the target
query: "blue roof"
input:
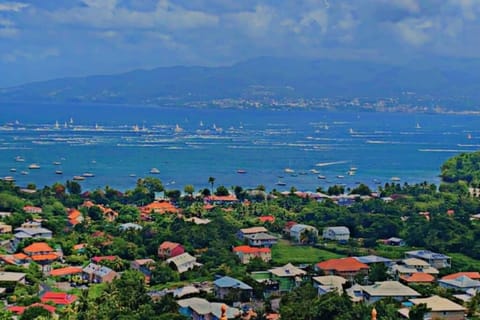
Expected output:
(426, 254)
(229, 282)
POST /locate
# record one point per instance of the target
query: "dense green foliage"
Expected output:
(463, 167)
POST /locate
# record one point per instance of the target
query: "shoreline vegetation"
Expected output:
(206, 223)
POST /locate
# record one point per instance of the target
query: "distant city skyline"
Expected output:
(47, 39)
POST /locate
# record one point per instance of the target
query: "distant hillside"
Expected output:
(463, 167)
(263, 78)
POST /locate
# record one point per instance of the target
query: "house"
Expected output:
(436, 260)
(41, 252)
(288, 226)
(130, 226)
(261, 239)
(228, 287)
(60, 298)
(302, 233)
(9, 280)
(31, 229)
(98, 259)
(108, 214)
(417, 278)
(198, 221)
(471, 275)
(221, 200)
(160, 207)
(440, 309)
(461, 283)
(145, 266)
(343, 267)
(355, 293)
(251, 231)
(74, 217)
(170, 249)
(32, 209)
(325, 284)
(183, 262)
(394, 241)
(246, 253)
(201, 309)
(288, 276)
(19, 310)
(411, 266)
(341, 234)
(265, 219)
(5, 228)
(95, 273)
(388, 289)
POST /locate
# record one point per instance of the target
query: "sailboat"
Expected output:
(418, 126)
(57, 126)
(178, 129)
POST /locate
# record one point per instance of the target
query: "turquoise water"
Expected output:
(189, 145)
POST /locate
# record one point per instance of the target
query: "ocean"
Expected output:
(276, 148)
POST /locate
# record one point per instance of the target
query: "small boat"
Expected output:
(469, 136)
(34, 166)
(88, 175)
(133, 175)
(281, 183)
(288, 170)
(154, 171)
(78, 178)
(19, 159)
(351, 172)
(24, 173)
(241, 171)
(353, 168)
(418, 126)
(9, 178)
(13, 170)
(351, 131)
(314, 171)
(376, 181)
(321, 177)
(395, 179)
(58, 172)
(178, 129)
(340, 177)
(57, 163)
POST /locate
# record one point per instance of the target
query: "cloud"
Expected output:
(13, 6)
(415, 31)
(33, 55)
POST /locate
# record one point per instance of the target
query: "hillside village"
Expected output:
(150, 253)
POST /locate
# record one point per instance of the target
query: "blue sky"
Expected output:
(45, 39)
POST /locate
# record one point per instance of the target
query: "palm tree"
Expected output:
(211, 180)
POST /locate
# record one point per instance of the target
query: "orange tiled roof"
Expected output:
(159, 207)
(79, 246)
(342, 265)
(44, 257)
(74, 214)
(21, 309)
(267, 219)
(65, 271)
(167, 245)
(20, 256)
(59, 297)
(418, 277)
(248, 249)
(8, 259)
(471, 275)
(222, 198)
(38, 247)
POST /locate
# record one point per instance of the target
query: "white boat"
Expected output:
(351, 172)
(136, 128)
(340, 177)
(288, 170)
(59, 172)
(351, 131)
(88, 175)
(154, 171)
(78, 178)
(9, 178)
(395, 179)
(469, 136)
(178, 129)
(57, 163)
(34, 166)
(353, 169)
(314, 171)
(13, 170)
(418, 126)
(57, 126)
(24, 173)
(321, 177)
(281, 183)
(19, 159)
(133, 175)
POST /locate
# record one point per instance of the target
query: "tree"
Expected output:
(418, 312)
(378, 272)
(153, 184)
(211, 181)
(222, 191)
(32, 313)
(189, 189)
(73, 187)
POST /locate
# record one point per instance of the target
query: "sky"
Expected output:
(46, 39)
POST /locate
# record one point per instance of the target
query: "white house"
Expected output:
(336, 233)
(184, 262)
(298, 231)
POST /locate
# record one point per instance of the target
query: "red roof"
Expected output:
(418, 277)
(248, 249)
(44, 257)
(270, 219)
(21, 309)
(59, 297)
(167, 245)
(73, 214)
(20, 256)
(38, 247)
(228, 198)
(471, 275)
(159, 207)
(342, 265)
(79, 246)
(290, 224)
(65, 271)
(97, 259)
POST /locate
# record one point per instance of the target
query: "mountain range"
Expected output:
(264, 78)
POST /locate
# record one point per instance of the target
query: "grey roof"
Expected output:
(300, 227)
(229, 282)
(462, 282)
(288, 270)
(181, 260)
(394, 239)
(11, 276)
(426, 254)
(204, 307)
(183, 291)
(97, 270)
(438, 304)
(33, 231)
(372, 259)
(338, 230)
(130, 225)
(260, 236)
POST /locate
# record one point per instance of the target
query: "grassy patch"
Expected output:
(464, 263)
(283, 252)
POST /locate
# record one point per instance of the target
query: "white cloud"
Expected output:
(256, 23)
(415, 31)
(33, 55)
(13, 6)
